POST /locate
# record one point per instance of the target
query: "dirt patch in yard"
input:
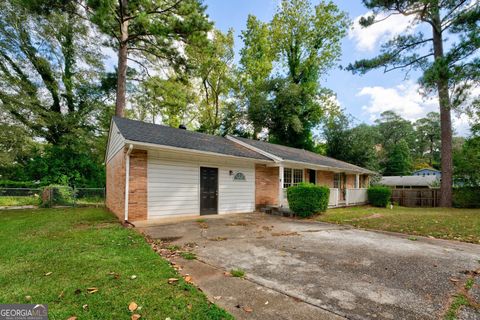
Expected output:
(373, 216)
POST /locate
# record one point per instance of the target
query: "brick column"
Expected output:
(137, 198)
(266, 185)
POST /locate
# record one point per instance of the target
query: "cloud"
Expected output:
(367, 39)
(406, 100)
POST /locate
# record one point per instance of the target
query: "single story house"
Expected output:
(155, 171)
(427, 172)
(410, 182)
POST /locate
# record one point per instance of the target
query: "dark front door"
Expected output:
(312, 176)
(208, 190)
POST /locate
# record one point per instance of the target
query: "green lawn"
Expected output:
(55, 255)
(19, 201)
(454, 224)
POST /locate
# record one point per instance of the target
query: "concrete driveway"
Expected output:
(346, 272)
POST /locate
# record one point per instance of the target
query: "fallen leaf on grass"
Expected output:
(188, 279)
(189, 307)
(135, 316)
(60, 296)
(247, 309)
(85, 307)
(72, 318)
(48, 273)
(132, 306)
(28, 298)
(133, 277)
(172, 280)
(92, 290)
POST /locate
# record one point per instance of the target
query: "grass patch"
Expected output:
(469, 283)
(188, 255)
(443, 223)
(9, 201)
(201, 220)
(55, 255)
(238, 273)
(173, 247)
(459, 300)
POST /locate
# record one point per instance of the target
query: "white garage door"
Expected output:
(174, 187)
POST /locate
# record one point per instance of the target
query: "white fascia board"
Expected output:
(246, 145)
(307, 165)
(108, 142)
(185, 150)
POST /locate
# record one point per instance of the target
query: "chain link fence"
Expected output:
(52, 196)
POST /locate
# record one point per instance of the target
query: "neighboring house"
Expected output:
(410, 182)
(154, 171)
(428, 172)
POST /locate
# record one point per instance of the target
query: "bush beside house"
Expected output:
(379, 196)
(305, 199)
(466, 197)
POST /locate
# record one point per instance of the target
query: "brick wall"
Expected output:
(325, 178)
(115, 197)
(137, 198)
(266, 185)
(350, 181)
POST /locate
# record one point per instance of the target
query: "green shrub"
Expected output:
(305, 199)
(379, 196)
(59, 195)
(18, 184)
(466, 197)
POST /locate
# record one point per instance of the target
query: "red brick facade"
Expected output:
(266, 185)
(137, 197)
(325, 178)
(115, 197)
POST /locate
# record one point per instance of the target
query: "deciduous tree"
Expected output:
(286, 97)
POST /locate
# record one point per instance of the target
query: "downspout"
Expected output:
(127, 178)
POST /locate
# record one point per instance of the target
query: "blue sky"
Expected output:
(364, 97)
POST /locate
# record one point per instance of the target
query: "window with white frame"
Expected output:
(292, 177)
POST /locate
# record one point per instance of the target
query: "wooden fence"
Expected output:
(416, 197)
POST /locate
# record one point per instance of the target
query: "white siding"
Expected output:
(115, 142)
(174, 184)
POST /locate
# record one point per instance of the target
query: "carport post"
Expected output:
(357, 181)
(280, 186)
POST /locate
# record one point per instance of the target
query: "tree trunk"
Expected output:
(122, 63)
(445, 116)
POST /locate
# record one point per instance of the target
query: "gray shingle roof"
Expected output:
(162, 135)
(293, 154)
(413, 181)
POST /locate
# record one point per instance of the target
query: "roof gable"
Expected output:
(140, 131)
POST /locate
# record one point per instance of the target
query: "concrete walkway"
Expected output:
(311, 270)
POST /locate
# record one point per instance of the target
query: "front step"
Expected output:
(278, 211)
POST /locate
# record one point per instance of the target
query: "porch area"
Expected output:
(347, 188)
